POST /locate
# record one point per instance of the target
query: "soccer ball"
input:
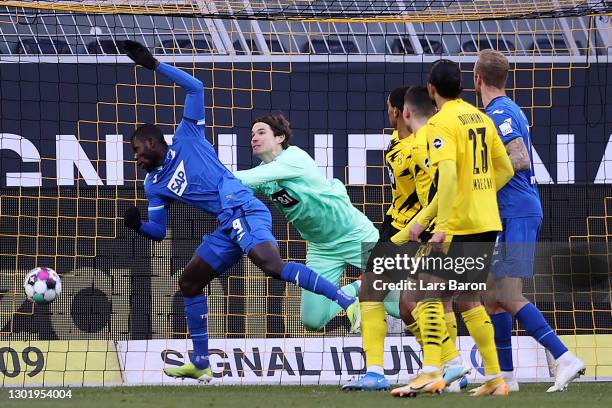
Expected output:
(42, 285)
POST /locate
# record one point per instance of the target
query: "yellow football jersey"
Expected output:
(463, 134)
(403, 189)
(421, 168)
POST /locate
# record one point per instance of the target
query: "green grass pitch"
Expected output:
(531, 396)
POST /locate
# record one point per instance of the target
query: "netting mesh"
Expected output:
(363, 10)
(69, 102)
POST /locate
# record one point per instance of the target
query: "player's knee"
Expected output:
(406, 308)
(490, 302)
(189, 288)
(494, 308)
(313, 321)
(466, 303)
(511, 306)
(272, 267)
(363, 293)
(267, 258)
(369, 292)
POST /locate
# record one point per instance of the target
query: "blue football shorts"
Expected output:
(515, 248)
(240, 229)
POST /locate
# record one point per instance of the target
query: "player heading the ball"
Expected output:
(190, 171)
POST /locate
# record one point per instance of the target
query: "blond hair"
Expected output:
(493, 67)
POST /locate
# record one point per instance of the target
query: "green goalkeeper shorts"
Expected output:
(331, 258)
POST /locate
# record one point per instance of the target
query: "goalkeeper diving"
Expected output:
(190, 171)
(321, 211)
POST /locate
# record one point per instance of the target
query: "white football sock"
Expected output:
(457, 361)
(566, 358)
(429, 369)
(376, 369)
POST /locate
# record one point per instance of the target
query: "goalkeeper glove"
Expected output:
(131, 218)
(140, 55)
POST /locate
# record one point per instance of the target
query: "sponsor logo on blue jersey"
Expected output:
(178, 181)
(506, 127)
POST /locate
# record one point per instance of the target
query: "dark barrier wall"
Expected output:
(41, 101)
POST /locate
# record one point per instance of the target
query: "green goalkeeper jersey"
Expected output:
(319, 209)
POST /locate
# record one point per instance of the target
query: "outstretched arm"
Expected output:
(194, 101)
(276, 170)
(154, 229)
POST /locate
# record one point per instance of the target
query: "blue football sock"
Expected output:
(532, 320)
(196, 311)
(502, 324)
(308, 279)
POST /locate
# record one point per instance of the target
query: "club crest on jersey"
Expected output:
(437, 143)
(400, 159)
(178, 181)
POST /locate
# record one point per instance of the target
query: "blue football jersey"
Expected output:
(193, 174)
(520, 197)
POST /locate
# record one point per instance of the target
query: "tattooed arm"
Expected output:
(519, 156)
